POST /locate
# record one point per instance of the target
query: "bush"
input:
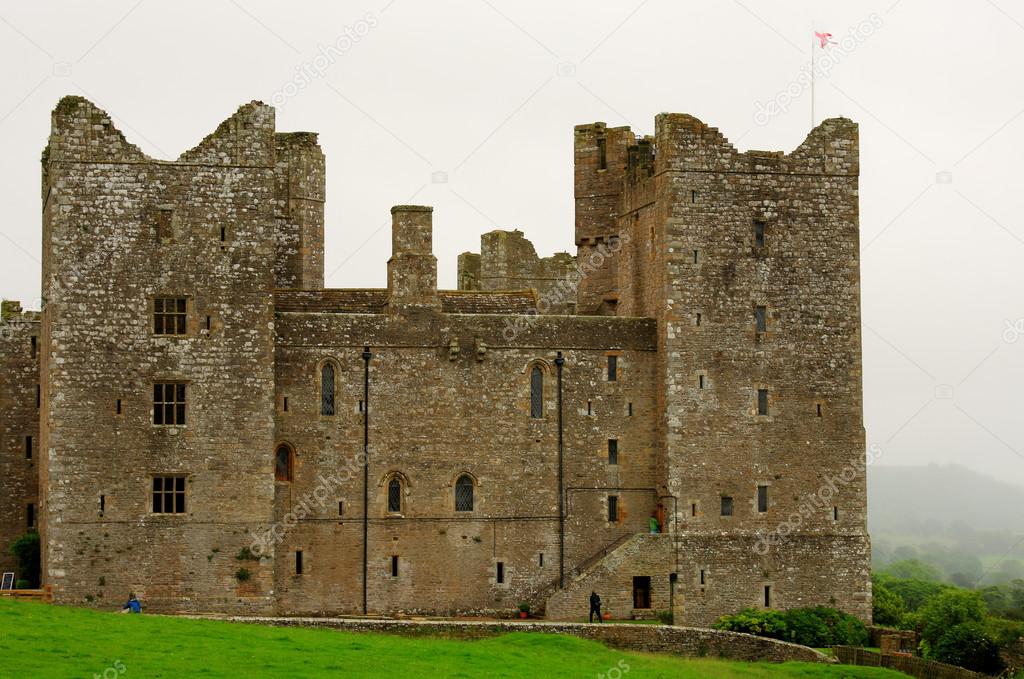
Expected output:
(26, 550)
(242, 574)
(888, 608)
(967, 645)
(817, 627)
(21, 584)
(771, 624)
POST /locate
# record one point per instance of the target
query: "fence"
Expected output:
(908, 664)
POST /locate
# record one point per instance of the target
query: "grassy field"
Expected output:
(37, 640)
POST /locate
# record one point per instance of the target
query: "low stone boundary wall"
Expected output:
(685, 641)
(908, 664)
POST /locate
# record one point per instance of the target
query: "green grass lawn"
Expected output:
(37, 640)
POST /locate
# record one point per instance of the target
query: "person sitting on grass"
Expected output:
(132, 605)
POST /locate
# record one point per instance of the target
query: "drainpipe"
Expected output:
(559, 362)
(366, 469)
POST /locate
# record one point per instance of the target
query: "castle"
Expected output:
(672, 417)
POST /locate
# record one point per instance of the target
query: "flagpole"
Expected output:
(812, 73)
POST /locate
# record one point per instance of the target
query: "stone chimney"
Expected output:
(412, 269)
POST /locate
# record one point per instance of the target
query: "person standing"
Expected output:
(595, 607)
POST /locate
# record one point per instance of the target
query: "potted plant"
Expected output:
(524, 610)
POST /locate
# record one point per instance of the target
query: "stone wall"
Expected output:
(682, 641)
(19, 426)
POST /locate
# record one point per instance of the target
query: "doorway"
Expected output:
(641, 591)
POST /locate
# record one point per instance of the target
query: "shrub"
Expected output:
(242, 574)
(666, 617)
(21, 584)
(967, 645)
(770, 624)
(26, 550)
(888, 608)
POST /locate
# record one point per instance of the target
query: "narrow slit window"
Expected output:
(613, 368)
(835, 513)
(284, 404)
(762, 401)
(499, 572)
(28, 447)
(39, 396)
(208, 323)
(700, 381)
(34, 343)
(698, 319)
(169, 403)
(629, 409)
(693, 510)
(613, 451)
(726, 505)
(394, 566)
(327, 390)
(703, 577)
(759, 229)
(536, 392)
(818, 409)
(760, 319)
(169, 314)
(602, 153)
(767, 596)
(540, 559)
(298, 562)
(103, 504)
(693, 196)
(613, 508)
(30, 515)
(223, 234)
(590, 408)
(117, 407)
(341, 508)
(762, 499)
(695, 256)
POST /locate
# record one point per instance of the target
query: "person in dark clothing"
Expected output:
(595, 607)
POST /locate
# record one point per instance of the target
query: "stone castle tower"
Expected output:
(216, 431)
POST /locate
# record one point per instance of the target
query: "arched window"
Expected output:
(536, 392)
(327, 389)
(283, 460)
(464, 494)
(395, 495)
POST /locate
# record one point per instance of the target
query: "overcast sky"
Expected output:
(469, 106)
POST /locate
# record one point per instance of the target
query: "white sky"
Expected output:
(475, 89)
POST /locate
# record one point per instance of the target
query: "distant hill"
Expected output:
(934, 497)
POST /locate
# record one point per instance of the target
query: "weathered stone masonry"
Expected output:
(700, 351)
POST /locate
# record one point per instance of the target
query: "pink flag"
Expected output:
(824, 39)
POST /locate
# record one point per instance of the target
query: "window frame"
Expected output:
(174, 494)
(179, 315)
(613, 509)
(328, 401)
(472, 493)
(289, 476)
(728, 506)
(536, 392)
(179, 407)
(393, 481)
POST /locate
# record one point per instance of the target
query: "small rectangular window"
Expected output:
(169, 403)
(39, 396)
(762, 499)
(629, 409)
(117, 407)
(602, 154)
(835, 513)
(767, 596)
(341, 508)
(590, 408)
(298, 562)
(34, 345)
(760, 319)
(499, 572)
(693, 196)
(208, 323)
(28, 447)
(223, 234)
(613, 368)
(103, 504)
(540, 560)
(613, 508)
(762, 401)
(759, 234)
(818, 407)
(394, 566)
(613, 451)
(284, 404)
(168, 494)
(693, 510)
(694, 256)
(30, 515)
(702, 577)
(726, 505)
(698, 319)
(700, 381)
(169, 315)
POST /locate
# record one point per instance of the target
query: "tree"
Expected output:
(889, 608)
(949, 609)
(967, 645)
(912, 569)
(26, 550)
